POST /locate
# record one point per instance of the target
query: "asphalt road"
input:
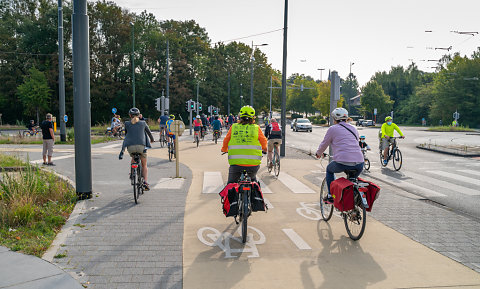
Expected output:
(452, 181)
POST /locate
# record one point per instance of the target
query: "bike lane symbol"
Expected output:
(213, 238)
(312, 211)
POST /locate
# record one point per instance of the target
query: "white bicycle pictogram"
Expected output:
(212, 237)
(310, 211)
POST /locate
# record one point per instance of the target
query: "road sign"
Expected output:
(114, 110)
(456, 115)
(374, 111)
(65, 118)
(178, 127)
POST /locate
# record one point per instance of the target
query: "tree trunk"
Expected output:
(38, 117)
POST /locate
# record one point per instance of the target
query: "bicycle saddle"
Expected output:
(350, 173)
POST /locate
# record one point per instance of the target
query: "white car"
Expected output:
(302, 124)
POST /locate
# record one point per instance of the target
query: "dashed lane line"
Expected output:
(212, 182)
(265, 188)
(54, 158)
(296, 239)
(111, 146)
(170, 183)
(294, 185)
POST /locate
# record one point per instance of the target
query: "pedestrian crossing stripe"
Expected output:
(445, 184)
(212, 182)
(471, 172)
(296, 239)
(456, 177)
(294, 185)
(421, 190)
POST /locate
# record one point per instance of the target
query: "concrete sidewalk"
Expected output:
(25, 271)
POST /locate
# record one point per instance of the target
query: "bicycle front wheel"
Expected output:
(397, 159)
(325, 209)
(356, 219)
(162, 137)
(276, 163)
(381, 159)
(245, 216)
(170, 152)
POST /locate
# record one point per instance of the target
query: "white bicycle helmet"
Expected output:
(339, 113)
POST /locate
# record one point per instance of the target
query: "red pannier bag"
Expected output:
(372, 192)
(258, 203)
(341, 190)
(229, 199)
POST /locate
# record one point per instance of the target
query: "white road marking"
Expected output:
(471, 172)
(265, 188)
(54, 158)
(111, 146)
(456, 177)
(296, 239)
(294, 185)
(423, 191)
(444, 184)
(269, 205)
(212, 182)
(170, 183)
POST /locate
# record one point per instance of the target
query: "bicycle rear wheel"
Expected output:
(245, 216)
(276, 163)
(381, 159)
(140, 180)
(367, 164)
(162, 137)
(170, 151)
(325, 209)
(397, 159)
(197, 139)
(133, 175)
(356, 219)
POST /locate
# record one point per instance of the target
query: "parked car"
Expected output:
(368, 122)
(302, 124)
(359, 121)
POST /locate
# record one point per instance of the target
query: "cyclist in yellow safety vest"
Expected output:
(387, 132)
(244, 143)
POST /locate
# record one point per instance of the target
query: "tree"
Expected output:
(34, 93)
(374, 97)
(349, 90)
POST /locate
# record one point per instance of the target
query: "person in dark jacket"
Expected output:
(136, 141)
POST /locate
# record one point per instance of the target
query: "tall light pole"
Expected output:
(241, 96)
(351, 63)
(252, 59)
(321, 69)
(284, 79)
(61, 77)
(228, 95)
(133, 63)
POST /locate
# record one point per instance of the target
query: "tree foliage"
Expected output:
(374, 97)
(34, 93)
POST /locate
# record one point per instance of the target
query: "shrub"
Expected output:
(296, 115)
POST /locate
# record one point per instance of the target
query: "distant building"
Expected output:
(355, 101)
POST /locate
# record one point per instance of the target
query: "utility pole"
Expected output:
(284, 80)
(168, 70)
(61, 77)
(133, 62)
(196, 105)
(271, 80)
(228, 96)
(81, 100)
(334, 97)
(252, 59)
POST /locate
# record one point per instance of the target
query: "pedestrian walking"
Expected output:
(48, 139)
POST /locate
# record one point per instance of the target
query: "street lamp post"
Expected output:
(351, 63)
(321, 69)
(252, 59)
(133, 63)
(241, 96)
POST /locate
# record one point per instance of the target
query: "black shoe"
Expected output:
(146, 186)
(328, 200)
(51, 164)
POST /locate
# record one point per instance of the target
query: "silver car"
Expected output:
(302, 124)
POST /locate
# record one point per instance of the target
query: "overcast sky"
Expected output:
(373, 34)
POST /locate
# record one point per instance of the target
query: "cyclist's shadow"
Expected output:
(234, 268)
(342, 262)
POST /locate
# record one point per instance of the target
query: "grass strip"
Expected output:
(34, 204)
(451, 129)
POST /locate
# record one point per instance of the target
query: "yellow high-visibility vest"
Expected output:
(244, 148)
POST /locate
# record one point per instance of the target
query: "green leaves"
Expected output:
(374, 97)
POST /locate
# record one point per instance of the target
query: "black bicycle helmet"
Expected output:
(134, 111)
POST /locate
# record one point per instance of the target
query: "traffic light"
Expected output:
(214, 111)
(157, 104)
(199, 106)
(192, 105)
(187, 105)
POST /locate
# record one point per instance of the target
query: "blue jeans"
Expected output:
(335, 167)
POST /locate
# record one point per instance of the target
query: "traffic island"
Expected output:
(457, 150)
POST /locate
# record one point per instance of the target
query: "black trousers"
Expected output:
(235, 171)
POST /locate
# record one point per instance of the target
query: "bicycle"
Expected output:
(355, 220)
(203, 132)
(163, 139)
(171, 148)
(394, 153)
(197, 139)
(34, 132)
(366, 166)
(275, 162)
(136, 177)
(244, 202)
(216, 135)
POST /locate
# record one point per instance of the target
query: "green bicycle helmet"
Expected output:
(172, 116)
(388, 118)
(247, 111)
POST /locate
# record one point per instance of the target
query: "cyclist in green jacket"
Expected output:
(387, 132)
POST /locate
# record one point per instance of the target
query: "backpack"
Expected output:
(275, 129)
